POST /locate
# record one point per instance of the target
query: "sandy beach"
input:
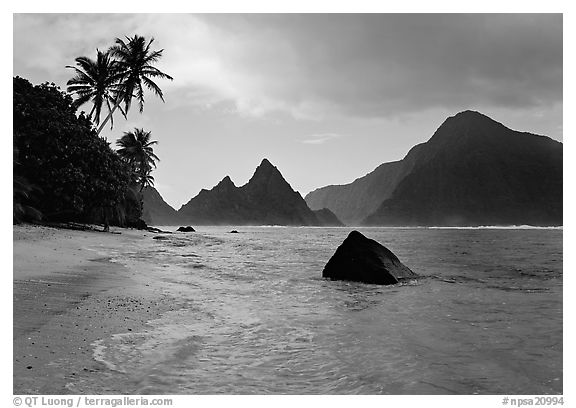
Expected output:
(68, 294)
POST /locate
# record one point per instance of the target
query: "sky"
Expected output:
(325, 97)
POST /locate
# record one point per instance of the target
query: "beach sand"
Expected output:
(68, 294)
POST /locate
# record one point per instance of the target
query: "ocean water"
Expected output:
(252, 315)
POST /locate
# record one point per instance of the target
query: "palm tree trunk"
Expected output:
(116, 104)
(91, 112)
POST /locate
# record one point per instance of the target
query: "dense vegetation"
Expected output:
(63, 171)
(70, 173)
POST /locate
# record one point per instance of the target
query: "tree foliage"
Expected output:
(95, 81)
(22, 193)
(136, 149)
(135, 62)
(116, 76)
(81, 178)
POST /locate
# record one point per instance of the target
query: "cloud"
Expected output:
(382, 65)
(49, 42)
(320, 138)
(314, 66)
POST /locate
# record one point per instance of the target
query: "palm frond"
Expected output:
(95, 81)
(153, 87)
(135, 147)
(134, 69)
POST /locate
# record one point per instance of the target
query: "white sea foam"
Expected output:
(99, 354)
(502, 227)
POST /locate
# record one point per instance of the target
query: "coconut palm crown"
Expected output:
(136, 149)
(95, 81)
(135, 62)
(117, 76)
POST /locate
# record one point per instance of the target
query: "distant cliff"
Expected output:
(267, 199)
(327, 218)
(355, 201)
(156, 211)
(473, 171)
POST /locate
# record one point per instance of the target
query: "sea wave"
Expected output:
(505, 227)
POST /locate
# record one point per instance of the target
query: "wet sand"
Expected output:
(68, 294)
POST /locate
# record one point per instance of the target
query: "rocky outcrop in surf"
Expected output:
(362, 259)
(186, 229)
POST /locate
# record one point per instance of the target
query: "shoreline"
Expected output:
(134, 315)
(68, 293)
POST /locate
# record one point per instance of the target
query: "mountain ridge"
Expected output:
(474, 146)
(156, 211)
(266, 199)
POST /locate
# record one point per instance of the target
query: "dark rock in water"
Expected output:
(233, 232)
(160, 237)
(186, 229)
(362, 259)
(154, 229)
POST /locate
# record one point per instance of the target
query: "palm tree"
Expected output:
(95, 81)
(136, 149)
(135, 63)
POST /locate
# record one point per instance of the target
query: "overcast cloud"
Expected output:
(311, 66)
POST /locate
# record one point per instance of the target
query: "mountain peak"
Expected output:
(225, 185)
(466, 125)
(265, 170)
(268, 179)
(468, 113)
(472, 171)
(266, 163)
(267, 199)
(226, 181)
(470, 117)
